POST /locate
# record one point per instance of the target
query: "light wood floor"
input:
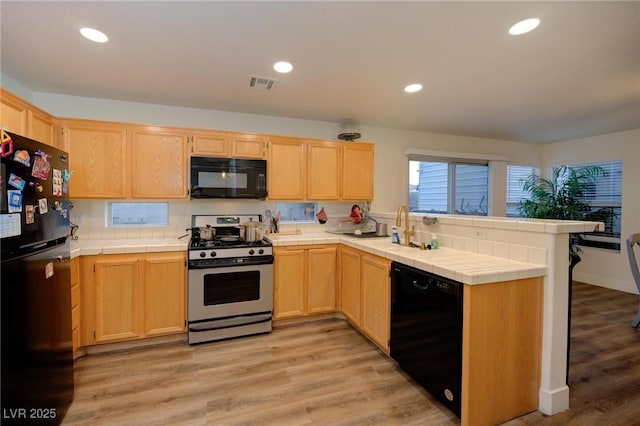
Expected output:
(326, 373)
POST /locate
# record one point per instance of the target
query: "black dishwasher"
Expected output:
(426, 331)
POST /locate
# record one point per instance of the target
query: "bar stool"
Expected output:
(635, 269)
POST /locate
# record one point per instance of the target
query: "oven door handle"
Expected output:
(238, 321)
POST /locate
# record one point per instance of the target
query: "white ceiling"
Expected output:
(577, 75)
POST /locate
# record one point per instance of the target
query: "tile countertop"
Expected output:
(119, 246)
(466, 267)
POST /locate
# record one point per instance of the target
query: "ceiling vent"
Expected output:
(261, 82)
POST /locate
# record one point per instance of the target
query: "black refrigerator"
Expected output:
(37, 349)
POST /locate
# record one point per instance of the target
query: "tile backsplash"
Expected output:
(516, 239)
(91, 217)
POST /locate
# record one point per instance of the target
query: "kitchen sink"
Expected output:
(363, 235)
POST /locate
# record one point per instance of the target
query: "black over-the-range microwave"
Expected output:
(213, 177)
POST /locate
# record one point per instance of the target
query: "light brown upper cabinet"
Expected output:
(20, 117)
(159, 162)
(323, 170)
(97, 157)
(357, 171)
(247, 145)
(228, 144)
(287, 171)
(113, 160)
(214, 144)
(301, 169)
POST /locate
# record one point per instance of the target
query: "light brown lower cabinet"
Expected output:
(132, 296)
(304, 280)
(501, 357)
(350, 284)
(375, 295)
(365, 292)
(75, 304)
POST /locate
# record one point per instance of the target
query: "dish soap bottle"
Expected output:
(395, 236)
(435, 244)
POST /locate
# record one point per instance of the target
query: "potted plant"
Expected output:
(562, 196)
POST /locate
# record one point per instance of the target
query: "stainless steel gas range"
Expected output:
(230, 284)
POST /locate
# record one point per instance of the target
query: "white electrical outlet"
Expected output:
(481, 235)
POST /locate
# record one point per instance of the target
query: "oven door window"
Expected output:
(232, 287)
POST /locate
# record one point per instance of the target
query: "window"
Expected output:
(448, 186)
(297, 212)
(138, 214)
(515, 178)
(605, 199)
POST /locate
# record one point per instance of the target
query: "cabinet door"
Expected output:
(75, 303)
(87, 300)
(350, 284)
(117, 298)
(164, 293)
(321, 280)
(13, 113)
(247, 146)
(97, 156)
(286, 169)
(323, 171)
(42, 128)
(357, 171)
(288, 292)
(375, 299)
(216, 144)
(159, 163)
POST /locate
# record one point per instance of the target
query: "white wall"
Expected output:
(601, 267)
(391, 167)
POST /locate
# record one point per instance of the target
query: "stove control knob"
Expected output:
(213, 254)
(202, 254)
(251, 251)
(260, 251)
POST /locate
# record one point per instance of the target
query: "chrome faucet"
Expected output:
(407, 232)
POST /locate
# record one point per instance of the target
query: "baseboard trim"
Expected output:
(553, 401)
(135, 344)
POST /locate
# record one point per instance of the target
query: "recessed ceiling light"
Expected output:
(525, 26)
(94, 35)
(282, 67)
(413, 88)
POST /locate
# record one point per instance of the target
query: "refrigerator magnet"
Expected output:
(14, 200)
(42, 154)
(41, 168)
(48, 270)
(57, 183)
(43, 206)
(10, 225)
(66, 175)
(36, 186)
(22, 156)
(6, 147)
(30, 212)
(16, 182)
